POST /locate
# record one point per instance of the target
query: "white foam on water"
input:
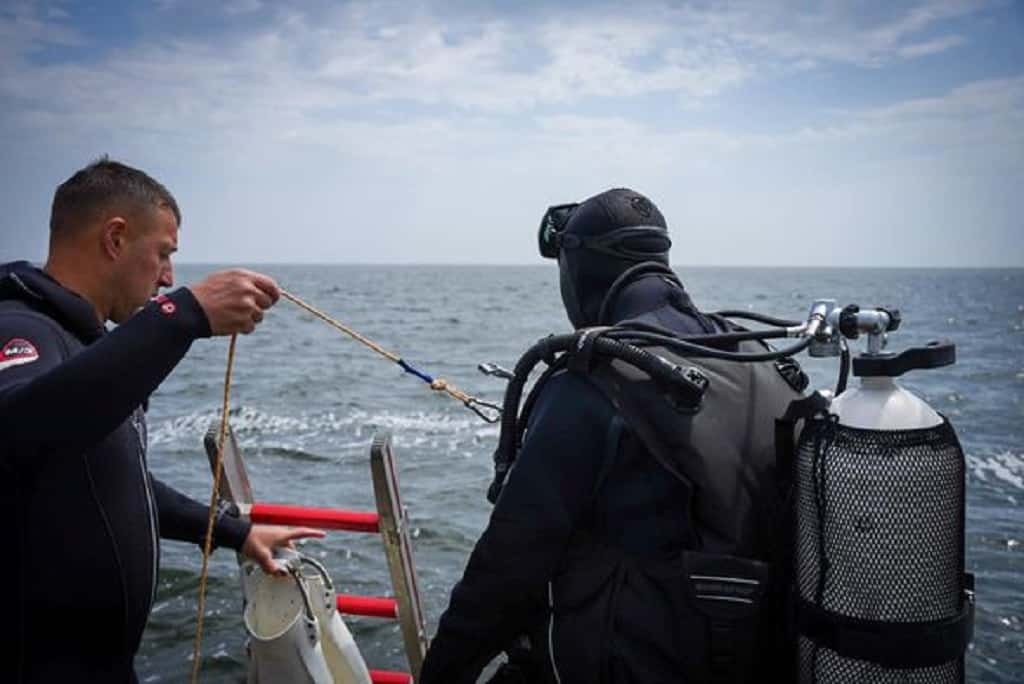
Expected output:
(251, 423)
(429, 423)
(459, 434)
(1006, 467)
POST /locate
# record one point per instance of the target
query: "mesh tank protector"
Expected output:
(882, 595)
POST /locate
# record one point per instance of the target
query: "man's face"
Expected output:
(144, 265)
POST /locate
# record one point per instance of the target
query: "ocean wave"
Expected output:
(290, 453)
(1005, 467)
(290, 436)
(252, 423)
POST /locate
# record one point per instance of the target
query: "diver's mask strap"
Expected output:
(552, 238)
(656, 242)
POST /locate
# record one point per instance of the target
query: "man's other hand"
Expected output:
(263, 539)
(234, 300)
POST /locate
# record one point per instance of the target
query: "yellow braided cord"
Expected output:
(341, 326)
(208, 541)
(439, 384)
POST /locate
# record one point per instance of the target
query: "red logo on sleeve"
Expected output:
(166, 305)
(17, 352)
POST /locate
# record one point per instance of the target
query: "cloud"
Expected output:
(24, 30)
(989, 110)
(293, 112)
(840, 33)
(236, 7)
(304, 65)
(931, 47)
(418, 76)
(985, 96)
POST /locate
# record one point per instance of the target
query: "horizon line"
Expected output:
(464, 264)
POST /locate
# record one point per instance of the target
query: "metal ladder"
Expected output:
(390, 521)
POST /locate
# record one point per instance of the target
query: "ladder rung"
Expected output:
(326, 518)
(370, 606)
(385, 677)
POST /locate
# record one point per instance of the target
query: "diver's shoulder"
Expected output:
(569, 391)
(567, 381)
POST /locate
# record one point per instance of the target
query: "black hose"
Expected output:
(692, 349)
(505, 453)
(531, 398)
(844, 366)
(708, 338)
(627, 276)
(653, 365)
(760, 318)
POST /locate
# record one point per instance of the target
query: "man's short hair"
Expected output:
(105, 185)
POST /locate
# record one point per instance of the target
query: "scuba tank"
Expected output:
(881, 592)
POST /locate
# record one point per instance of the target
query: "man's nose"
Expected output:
(167, 277)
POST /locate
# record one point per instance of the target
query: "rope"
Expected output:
(208, 541)
(342, 327)
(437, 384)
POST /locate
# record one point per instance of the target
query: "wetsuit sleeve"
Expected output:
(185, 519)
(56, 407)
(547, 493)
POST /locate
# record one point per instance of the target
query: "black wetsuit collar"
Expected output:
(21, 280)
(655, 298)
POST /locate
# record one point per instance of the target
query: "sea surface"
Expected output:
(307, 401)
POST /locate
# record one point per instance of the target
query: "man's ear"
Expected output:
(114, 235)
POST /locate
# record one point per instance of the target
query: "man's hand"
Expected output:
(263, 539)
(234, 300)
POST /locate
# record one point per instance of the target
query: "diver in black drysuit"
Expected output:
(584, 498)
(80, 563)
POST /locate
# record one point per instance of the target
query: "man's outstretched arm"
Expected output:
(56, 405)
(59, 405)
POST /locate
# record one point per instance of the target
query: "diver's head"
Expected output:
(596, 241)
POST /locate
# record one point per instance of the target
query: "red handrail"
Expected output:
(385, 677)
(325, 518)
(369, 606)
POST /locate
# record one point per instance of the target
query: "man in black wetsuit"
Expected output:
(84, 515)
(595, 551)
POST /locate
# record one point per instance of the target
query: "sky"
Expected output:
(772, 134)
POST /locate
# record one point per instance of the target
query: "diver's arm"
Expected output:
(57, 406)
(548, 490)
(185, 519)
